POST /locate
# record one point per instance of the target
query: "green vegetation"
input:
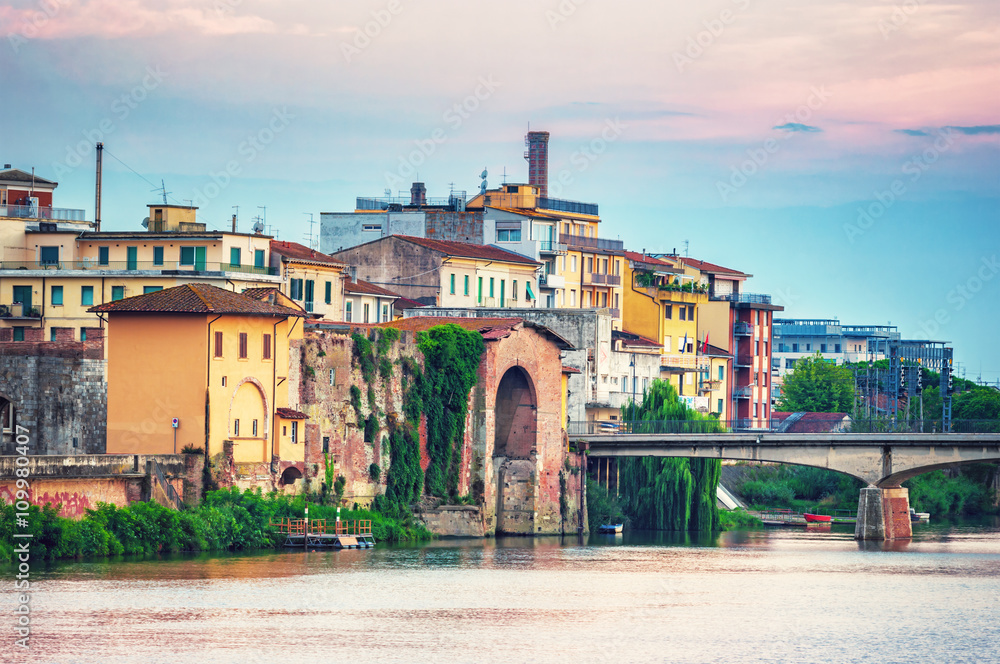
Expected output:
(374, 472)
(818, 386)
(602, 508)
(364, 356)
(451, 360)
(386, 338)
(227, 520)
(965, 494)
(668, 493)
(738, 519)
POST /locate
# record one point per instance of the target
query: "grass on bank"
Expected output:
(227, 520)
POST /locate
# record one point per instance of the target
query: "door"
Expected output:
(22, 294)
(310, 292)
(132, 258)
(199, 258)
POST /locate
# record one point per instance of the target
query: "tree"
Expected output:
(818, 386)
(668, 493)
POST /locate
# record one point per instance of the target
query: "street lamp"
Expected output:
(632, 364)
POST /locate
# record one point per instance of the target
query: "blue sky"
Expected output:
(846, 154)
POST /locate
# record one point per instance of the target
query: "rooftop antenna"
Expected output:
(163, 190)
(388, 192)
(686, 245)
(310, 234)
(484, 183)
(505, 175)
(258, 226)
(264, 208)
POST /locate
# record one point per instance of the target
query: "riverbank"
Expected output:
(227, 520)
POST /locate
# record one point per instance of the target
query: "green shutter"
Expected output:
(234, 256)
(57, 295)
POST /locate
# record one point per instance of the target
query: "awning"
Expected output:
(531, 295)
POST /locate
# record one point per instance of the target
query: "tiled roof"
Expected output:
(491, 328)
(17, 175)
(296, 251)
(525, 213)
(195, 299)
(570, 370)
(645, 258)
(466, 250)
(365, 288)
(715, 351)
(705, 266)
(290, 414)
(633, 339)
(407, 303)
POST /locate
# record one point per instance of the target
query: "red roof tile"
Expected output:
(195, 299)
(365, 288)
(491, 328)
(296, 251)
(645, 258)
(705, 266)
(466, 250)
(290, 414)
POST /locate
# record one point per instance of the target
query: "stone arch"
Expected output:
(515, 415)
(241, 398)
(290, 475)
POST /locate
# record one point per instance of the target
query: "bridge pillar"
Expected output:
(883, 514)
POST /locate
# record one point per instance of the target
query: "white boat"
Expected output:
(611, 528)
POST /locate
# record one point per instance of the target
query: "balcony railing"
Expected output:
(685, 361)
(593, 278)
(42, 212)
(833, 425)
(581, 242)
(743, 298)
(550, 247)
(744, 360)
(551, 281)
(709, 385)
(562, 205)
(165, 266)
(743, 329)
(743, 392)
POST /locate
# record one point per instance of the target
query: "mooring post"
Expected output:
(883, 514)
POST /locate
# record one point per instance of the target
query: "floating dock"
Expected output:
(320, 534)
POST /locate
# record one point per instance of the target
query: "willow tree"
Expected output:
(665, 493)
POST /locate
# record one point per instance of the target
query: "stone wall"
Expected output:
(59, 392)
(454, 520)
(79, 482)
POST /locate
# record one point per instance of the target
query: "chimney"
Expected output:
(537, 155)
(418, 194)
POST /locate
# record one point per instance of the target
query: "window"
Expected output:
(243, 346)
(83, 334)
(157, 255)
(371, 227)
(809, 347)
(103, 254)
(117, 293)
(480, 297)
(86, 295)
(795, 348)
(666, 343)
(822, 348)
(668, 311)
(572, 298)
(572, 262)
(328, 292)
(18, 334)
(49, 255)
(365, 319)
(234, 256)
(385, 312)
(224, 381)
(310, 294)
(509, 235)
(513, 289)
(836, 348)
(266, 350)
(347, 311)
(52, 334)
(326, 444)
(465, 286)
(333, 376)
(789, 364)
(187, 255)
(452, 280)
(254, 429)
(236, 428)
(719, 407)
(258, 258)
(683, 312)
(57, 296)
(151, 289)
(722, 373)
(590, 264)
(296, 288)
(503, 300)
(218, 344)
(691, 312)
(295, 431)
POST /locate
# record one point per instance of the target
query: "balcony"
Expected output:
(551, 281)
(165, 266)
(743, 392)
(744, 360)
(550, 247)
(16, 310)
(595, 279)
(743, 298)
(743, 329)
(709, 385)
(685, 361)
(581, 242)
(39, 212)
(561, 205)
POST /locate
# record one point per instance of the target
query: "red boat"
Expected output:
(817, 518)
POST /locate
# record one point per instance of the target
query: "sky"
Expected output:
(847, 154)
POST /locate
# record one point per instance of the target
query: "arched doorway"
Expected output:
(514, 448)
(248, 422)
(290, 475)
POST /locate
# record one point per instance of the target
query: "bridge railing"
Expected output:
(801, 425)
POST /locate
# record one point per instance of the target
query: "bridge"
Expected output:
(882, 459)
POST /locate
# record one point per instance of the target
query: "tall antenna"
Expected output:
(97, 192)
(163, 190)
(687, 244)
(310, 234)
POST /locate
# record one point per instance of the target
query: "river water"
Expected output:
(782, 595)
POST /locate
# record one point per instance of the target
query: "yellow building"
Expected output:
(52, 273)
(214, 361)
(312, 279)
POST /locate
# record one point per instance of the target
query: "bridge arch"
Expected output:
(515, 452)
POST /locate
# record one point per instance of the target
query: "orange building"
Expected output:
(198, 366)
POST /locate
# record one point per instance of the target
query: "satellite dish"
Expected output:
(258, 227)
(145, 222)
(482, 187)
(483, 175)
